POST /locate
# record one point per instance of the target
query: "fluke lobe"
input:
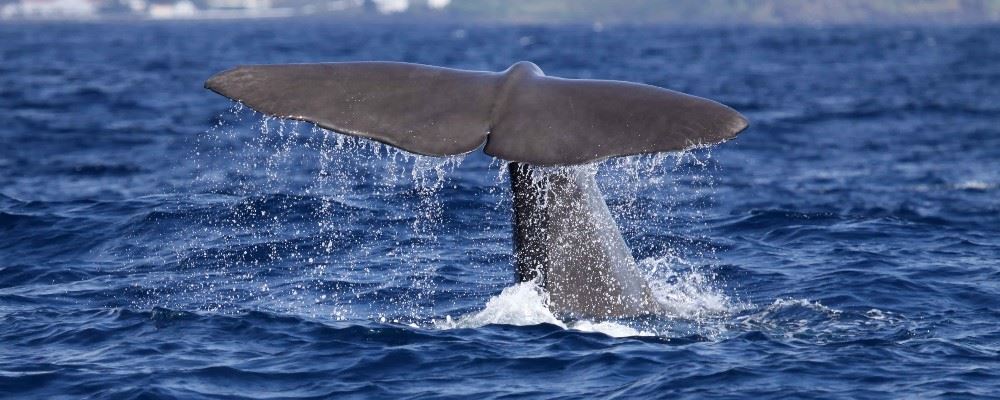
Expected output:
(564, 235)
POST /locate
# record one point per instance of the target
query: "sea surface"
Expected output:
(159, 241)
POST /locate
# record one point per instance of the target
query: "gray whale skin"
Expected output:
(564, 236)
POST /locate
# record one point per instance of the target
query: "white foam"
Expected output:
(609, 328)
(522, 304)
(526, 304)
(974, 185)
(782, 303)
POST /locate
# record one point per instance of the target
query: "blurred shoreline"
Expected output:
(562, 12)
(596, 26)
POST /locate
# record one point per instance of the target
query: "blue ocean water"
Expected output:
(157, 241)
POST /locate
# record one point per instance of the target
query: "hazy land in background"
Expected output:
(729, 11)
(761, 12)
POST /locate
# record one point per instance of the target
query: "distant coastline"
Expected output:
(702, 12)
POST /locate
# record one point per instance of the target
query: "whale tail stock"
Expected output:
(519, 115)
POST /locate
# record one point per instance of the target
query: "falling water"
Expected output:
(361, 235)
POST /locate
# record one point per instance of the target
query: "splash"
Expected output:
(684, 290)
(310, 222)
(527, 304)
(522, 304)
(282, 221)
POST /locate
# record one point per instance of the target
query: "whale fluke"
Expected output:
(564, 236)
(520, 114)
(422, 109)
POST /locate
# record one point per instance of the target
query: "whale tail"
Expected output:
(564, 236)
(520, 114)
